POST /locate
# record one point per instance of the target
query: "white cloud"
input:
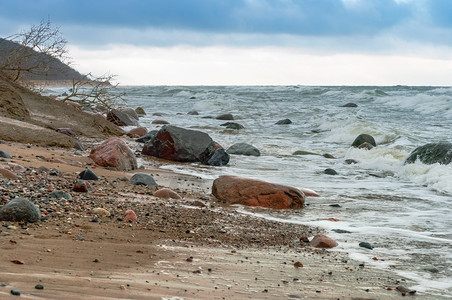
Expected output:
(261, 66)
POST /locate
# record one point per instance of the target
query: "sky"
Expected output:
(250, 42)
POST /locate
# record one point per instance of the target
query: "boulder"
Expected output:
(4, 154)
(130, 112)
(322, 241)
(143, 179)
(432, 153)
(160, 122)
(364, 138)
(87, 174)
(137, 132)
(147, 137)
(167, 194)
(233, 125)
(330, 171)
(193, 113)
(225, 117)
(121, 118)
(114, 153)
(350, 104)
(253, 192)
(284, 122)
(179, 144)
(140, 111)
(218, 158)
(243, 149)
(20, 210)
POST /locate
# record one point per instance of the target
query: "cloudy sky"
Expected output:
(250, 42)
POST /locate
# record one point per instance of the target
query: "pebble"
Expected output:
(366, 245)
(39, 287)
(15, 292)
(298, 264)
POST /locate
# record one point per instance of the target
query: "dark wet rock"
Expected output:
(15, 292)
(57, 194)
(81, 186)
(405, 290)
(366, 245)
(55, 172)
(143, 179)
(330, 171)
(364, 138)
(383, 174)
(87, 174)
(341, 231)
(184, 145)
(79, 146)
(67, 131)
(140, 111)
(351, 161)
(193, 113)
(284, 122)
(233, 125)
(303, 152)
(218, 158)
(430, 269)
(121, 118)
(327, 155)
(225, 117)
(432, 153)
(4, 154)
(39, 287)
(20, 210)
(252, 192)
(243, 149)
(146, 138)
(114, 153)
(335, 205)
(350, 105)
(366, 146)
(78, 153)
(160, 122)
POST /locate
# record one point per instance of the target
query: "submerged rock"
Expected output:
(243, 149)
(364, 138)
(284, 122)
(432, 153)
(225, 117)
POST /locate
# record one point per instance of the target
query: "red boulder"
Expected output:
(252, 192)
(322, 241)
(114, 153)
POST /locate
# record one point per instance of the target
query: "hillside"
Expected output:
(57, 71)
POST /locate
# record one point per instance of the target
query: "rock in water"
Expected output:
(364, 138)
(366, 245)
(218, 158)
(225, 117)
(143, 179)
(179, 144)
(432, 153)
(322, 241)
(330, 171)
(252, 192)
(284, 122)
(140, 111)
(351, 104)
(114, 153)
(243, 149)
(20, 210)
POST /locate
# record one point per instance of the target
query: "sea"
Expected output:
(403, 210)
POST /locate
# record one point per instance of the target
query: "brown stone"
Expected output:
(162, 122)
(81, 186)
(322, 241)
(114, 153)
(252, 192)
(137, 132)
(8, 174)
(166, 194)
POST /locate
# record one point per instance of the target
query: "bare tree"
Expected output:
(32, 51)
(93, 91)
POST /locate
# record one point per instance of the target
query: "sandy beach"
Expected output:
(191, 248)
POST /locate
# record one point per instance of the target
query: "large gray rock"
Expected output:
(179, 144)
(20, 210)
(143, 179)
(146, 138)
(362, 139)
(121, 118)
(219, 158)
(243, 149)
(432, 153)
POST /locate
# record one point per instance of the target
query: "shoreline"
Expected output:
(60, 252)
